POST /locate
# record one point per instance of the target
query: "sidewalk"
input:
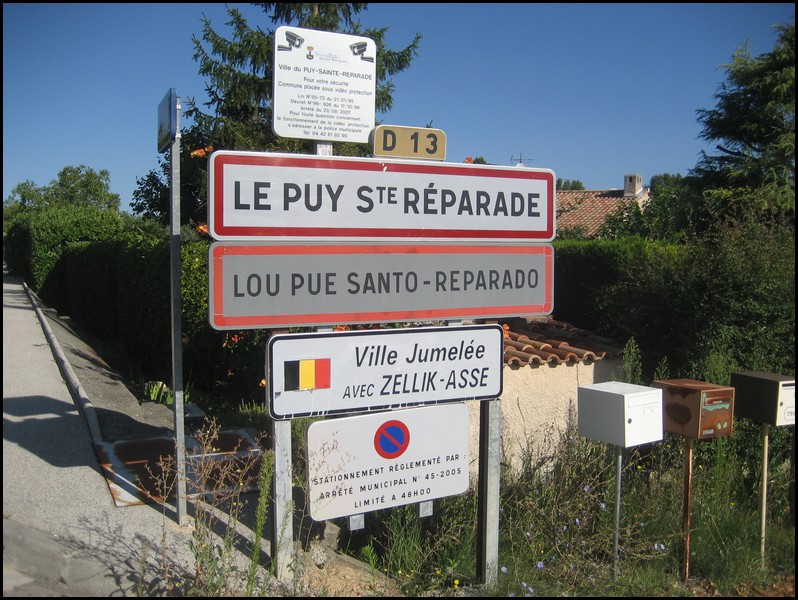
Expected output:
(63, 532)
(61, 529)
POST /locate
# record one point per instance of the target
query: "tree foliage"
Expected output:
(753, 125)
(568, 184)
(152, 196)
(752, 178)
(671, 212)
(81, 186)
(74, 186)
(239, 86)
(25, 195)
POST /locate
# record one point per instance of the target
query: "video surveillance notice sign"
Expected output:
(324, 85)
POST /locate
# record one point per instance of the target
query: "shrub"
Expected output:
(36, 242)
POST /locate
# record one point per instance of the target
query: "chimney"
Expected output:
(632, 186)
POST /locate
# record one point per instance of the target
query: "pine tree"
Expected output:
(753, 124)
(238, 112)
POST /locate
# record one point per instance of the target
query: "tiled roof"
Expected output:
(543, 340)
(588, 208)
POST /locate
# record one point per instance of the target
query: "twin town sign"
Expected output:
(280, 197)
(327, 373)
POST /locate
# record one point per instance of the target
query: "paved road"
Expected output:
(62, 532)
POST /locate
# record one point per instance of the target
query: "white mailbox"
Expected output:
(623, 414)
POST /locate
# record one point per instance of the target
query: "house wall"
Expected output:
(535, 405)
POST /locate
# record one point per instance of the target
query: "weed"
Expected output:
(158, 392)
(556, 523)
(216, 478)
(264, 486)
(557, 527)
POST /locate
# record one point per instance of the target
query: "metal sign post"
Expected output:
(764, 497)
(283, 550)
(688, 481)
(177, 330)
(283, 553)
(169, 131)
(488, 498)
(618, 471)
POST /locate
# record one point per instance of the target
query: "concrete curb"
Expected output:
(77, 391)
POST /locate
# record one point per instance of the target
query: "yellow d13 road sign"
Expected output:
(409, 142)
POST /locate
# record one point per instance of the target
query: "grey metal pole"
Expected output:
(488, 491)
(688, 483)
(764, 499)
(618, 471)
(283, 522)
(177, 329)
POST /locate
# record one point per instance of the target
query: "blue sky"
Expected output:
(591, 91)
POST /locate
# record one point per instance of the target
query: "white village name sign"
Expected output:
(281, 197)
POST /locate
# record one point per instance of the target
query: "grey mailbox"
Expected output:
(764, 397)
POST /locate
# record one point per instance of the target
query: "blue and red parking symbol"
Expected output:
(392, 439)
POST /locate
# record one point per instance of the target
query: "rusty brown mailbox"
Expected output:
(765, 397)
(696, 409)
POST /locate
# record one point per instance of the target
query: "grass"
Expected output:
(557, 522)
(557, 527)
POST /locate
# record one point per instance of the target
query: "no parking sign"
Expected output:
(371, 462)
(392, 439)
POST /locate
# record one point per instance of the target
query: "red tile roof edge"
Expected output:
(536, 341)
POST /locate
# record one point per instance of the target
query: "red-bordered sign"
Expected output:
(271, 285)
(283, 197)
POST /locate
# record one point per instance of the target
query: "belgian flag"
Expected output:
(309, 374)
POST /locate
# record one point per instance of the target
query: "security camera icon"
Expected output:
(359, 49)
(294, 41)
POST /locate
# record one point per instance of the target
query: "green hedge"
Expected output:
(732, 295)
(144, 306)
(734, 292)
(91, 286)
(36, 241)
